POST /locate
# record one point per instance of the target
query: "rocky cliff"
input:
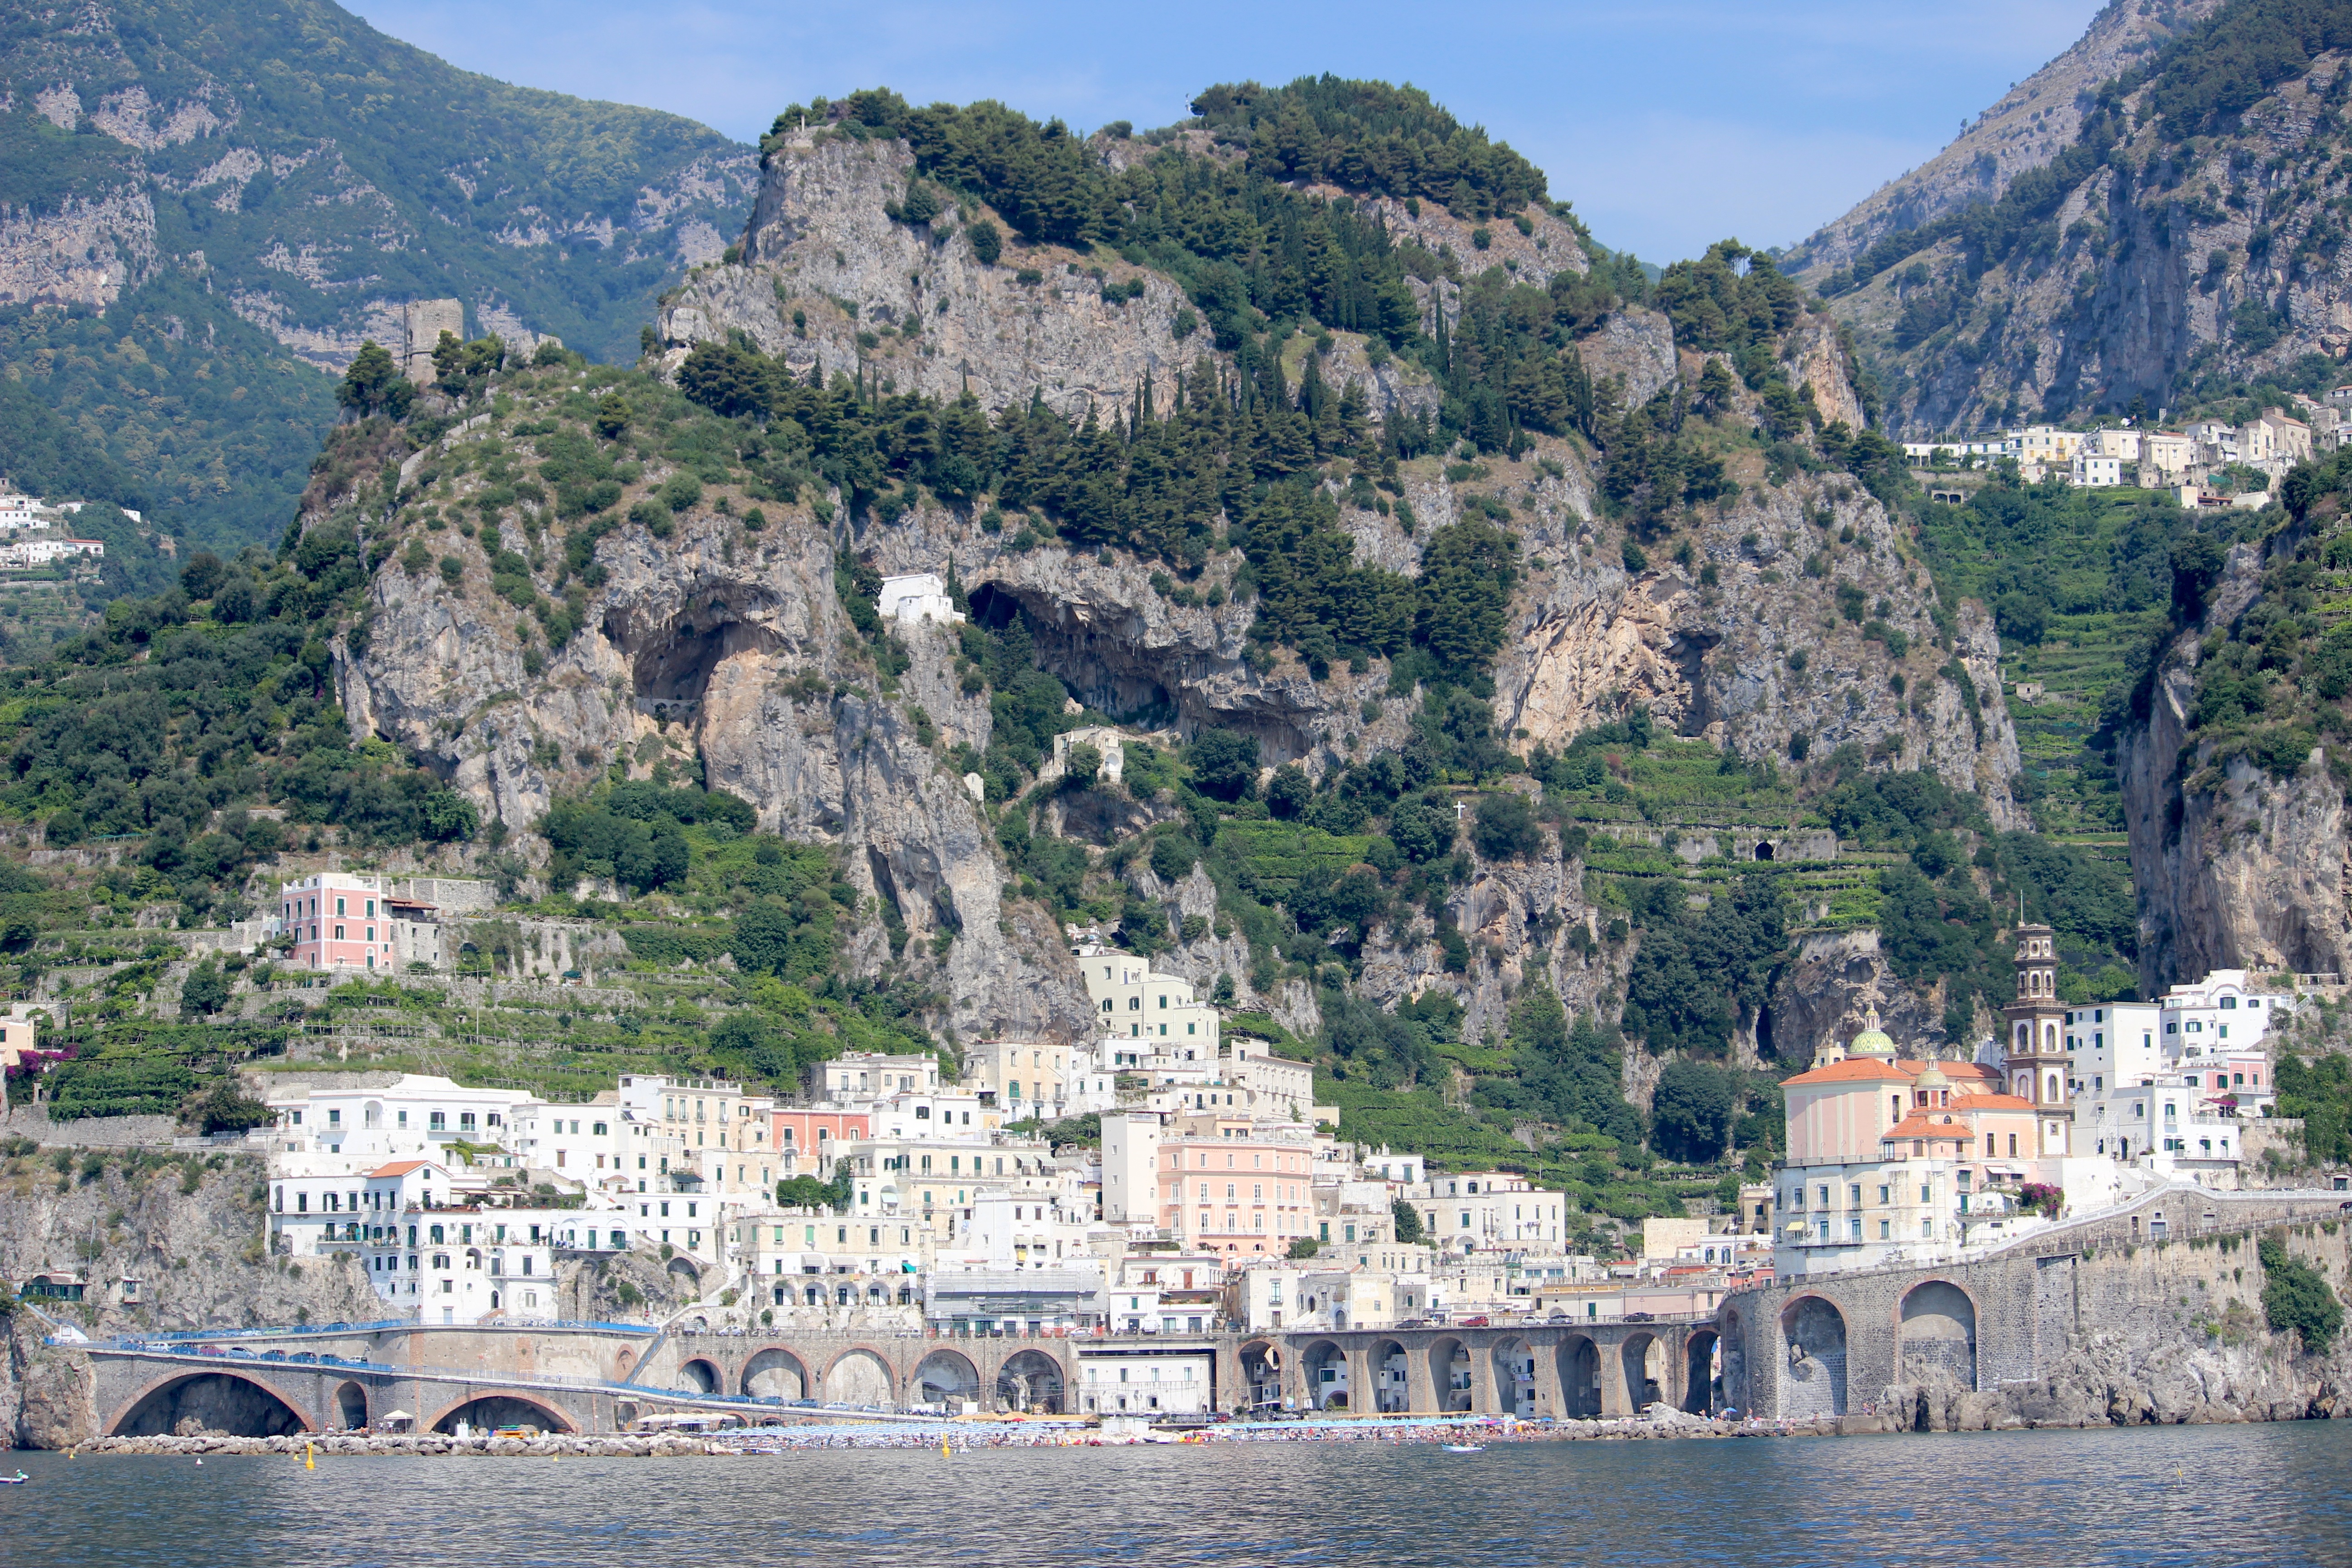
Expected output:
(197, 248)
(2179, 230)
(319, 221)
(182, 1234)
(2032, 124)
(2240, 854)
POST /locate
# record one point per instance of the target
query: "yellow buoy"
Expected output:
(310, 1458)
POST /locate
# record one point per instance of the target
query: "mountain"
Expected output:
(206, 208)
(1521, 686)
(2165, 237)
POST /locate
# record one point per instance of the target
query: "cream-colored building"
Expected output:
(1132, 1003)
(1026, 1078)
(1485, 1209)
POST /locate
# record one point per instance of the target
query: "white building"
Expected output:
(866, 1078)
(2091, 469)
(418, 1114)
(1157, 1381)
(1486, 1209)
(1027, 1077)
(918, 596)
(1132, 1003)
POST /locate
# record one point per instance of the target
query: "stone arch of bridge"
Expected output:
(498, 1407)
(1813, 1331)
(773, 1371)
(945, 1374)
(1579, 1358)
(1698, 1371)
(1935, 1334)
(860, 1375)
(218, 1399)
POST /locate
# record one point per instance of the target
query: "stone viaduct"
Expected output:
(1831, 1344)
(599, 1378)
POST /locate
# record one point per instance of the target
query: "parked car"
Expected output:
(1480, 1320)
(1640, 1317)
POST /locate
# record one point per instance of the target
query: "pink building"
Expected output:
(809, 1138)
(1225, 1189)
(340, 920)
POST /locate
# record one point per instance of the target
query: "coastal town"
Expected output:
(2207, 463)
(1171, 1179)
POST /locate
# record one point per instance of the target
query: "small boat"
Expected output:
(18, 1480)
(1465, 1448)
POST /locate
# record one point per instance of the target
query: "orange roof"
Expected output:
(399, 1168)
(1918, 1124)
(1991, 1102)
(1854, 1069)
(1857, 1069)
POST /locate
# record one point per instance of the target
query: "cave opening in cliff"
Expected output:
(1103, 667)
(1763, 849)
(670, 664)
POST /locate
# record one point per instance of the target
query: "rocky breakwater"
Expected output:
(420, 1445)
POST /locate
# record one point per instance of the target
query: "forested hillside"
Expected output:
(1547, 704)
(212, 204)
(2174, 249)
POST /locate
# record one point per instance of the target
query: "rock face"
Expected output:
(2032, 124)
(305, 228)
(1715, 660)
(2213, 248)
(189, 1236)
(1635, 348)
(824, 264)
(2234, 868)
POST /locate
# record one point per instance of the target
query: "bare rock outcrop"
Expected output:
(2234, 866)
(185, 1232)
(829, 280)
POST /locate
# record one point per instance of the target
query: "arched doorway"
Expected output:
(1643, 1362)
(858, 1378)
(493, 1411)
(351, 1407)
(1937, 1339)
(946, 1378)
(1699, 1371)
(699, 1376)
(1031, 1380)
(1261, 1376)
(211, 1402)
(1580, 1377)
(1392, 1390)
(1326, 1366)
(775, 1374)
(1814, 1382)
(1514, 1372)
(1764, 849)
(1449, 1374)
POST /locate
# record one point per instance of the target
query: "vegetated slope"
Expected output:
(212, 204)
(2233, 762)
(2182, 245)
(2032, 124)
(1443, 709)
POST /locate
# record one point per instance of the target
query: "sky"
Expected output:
(1669, 124)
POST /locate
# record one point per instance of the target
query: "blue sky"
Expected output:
(1669, 124)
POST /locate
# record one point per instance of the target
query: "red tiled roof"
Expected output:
(1854, 1069)
(399, 1168)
